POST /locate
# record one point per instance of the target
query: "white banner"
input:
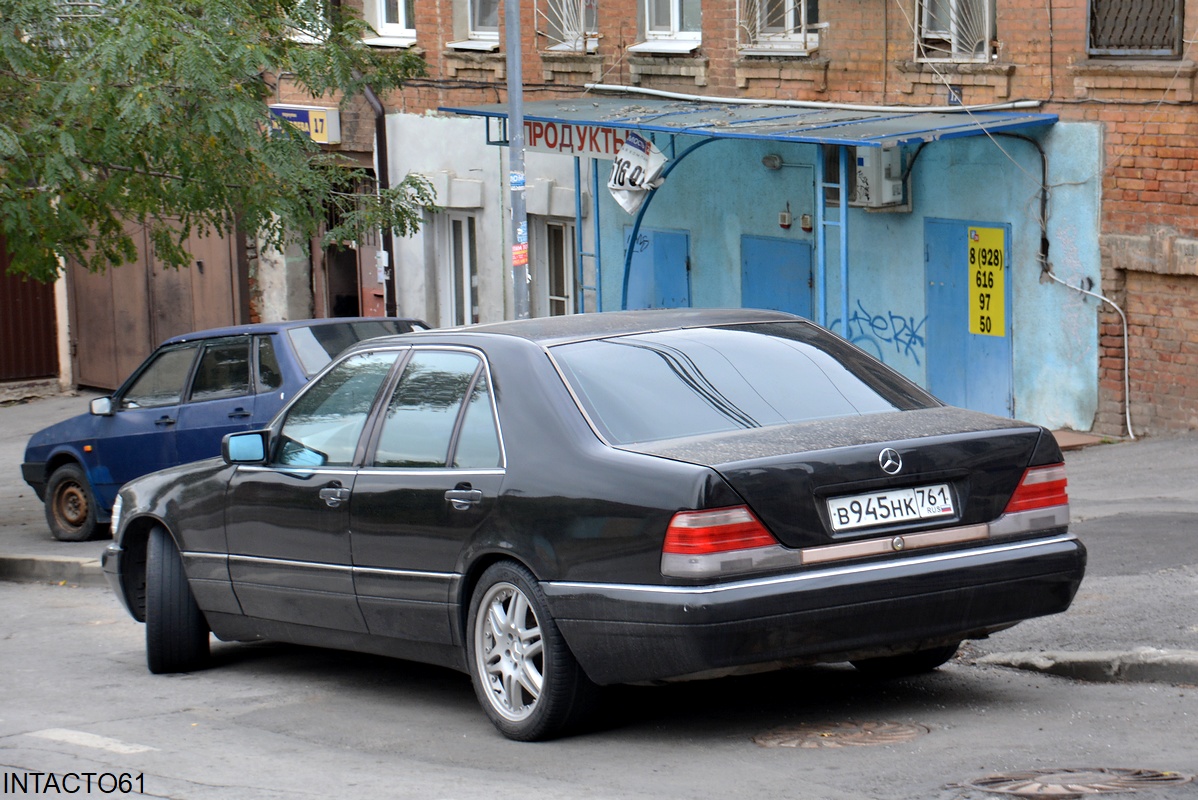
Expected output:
(635, 172)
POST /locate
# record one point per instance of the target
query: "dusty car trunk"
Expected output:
(787, 474)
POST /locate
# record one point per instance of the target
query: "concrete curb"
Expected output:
(52, 569)
(1143, 665)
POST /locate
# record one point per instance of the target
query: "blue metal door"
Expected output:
(968, 329)
(775, 274)
(659, 273)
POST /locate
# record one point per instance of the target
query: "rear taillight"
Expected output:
(1041, 487)
(722, 530)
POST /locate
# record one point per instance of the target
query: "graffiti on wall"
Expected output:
(885, 333)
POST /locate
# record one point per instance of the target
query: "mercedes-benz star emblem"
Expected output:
(890, 461)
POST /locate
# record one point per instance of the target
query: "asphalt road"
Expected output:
(271, 721)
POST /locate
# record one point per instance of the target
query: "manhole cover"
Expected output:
(841, 734)
(1063, 784)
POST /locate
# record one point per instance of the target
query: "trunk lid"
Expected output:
(788, 474)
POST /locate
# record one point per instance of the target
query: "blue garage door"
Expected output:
(659, 275)
(969, 325)
(775, 274)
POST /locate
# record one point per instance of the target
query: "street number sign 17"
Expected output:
(987, 282)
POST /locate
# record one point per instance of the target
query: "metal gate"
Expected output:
(28, 343)
(119, 316)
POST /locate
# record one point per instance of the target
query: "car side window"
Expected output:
(224, 370)
(324, 425)
(425, 408)
(478, 439)
(270, 377)
(161, 383)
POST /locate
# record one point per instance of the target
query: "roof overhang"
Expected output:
(775, 123)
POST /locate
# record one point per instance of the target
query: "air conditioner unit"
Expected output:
(878, 174)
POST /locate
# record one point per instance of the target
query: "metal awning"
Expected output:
(596, 126)
(831, 126)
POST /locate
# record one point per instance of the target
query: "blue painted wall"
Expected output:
(722, 191)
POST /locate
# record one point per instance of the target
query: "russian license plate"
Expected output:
(890, 507)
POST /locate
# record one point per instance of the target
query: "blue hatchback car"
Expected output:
(177, 406)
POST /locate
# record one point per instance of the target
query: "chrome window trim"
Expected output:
(291, 470)
(368, 470)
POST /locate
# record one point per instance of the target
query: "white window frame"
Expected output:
(762, 38)
(458, 271)
(951, 40)
(401, 33)
(668, 39)
(549, 256)
(571, 26)
(482, 39)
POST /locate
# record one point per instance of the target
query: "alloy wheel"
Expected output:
(510, 651)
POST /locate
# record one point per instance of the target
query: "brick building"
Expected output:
(1092, 198)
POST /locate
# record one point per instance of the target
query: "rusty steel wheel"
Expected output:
(70, 505)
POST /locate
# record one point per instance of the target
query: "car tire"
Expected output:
(70, 505)
(176, 631)
(527, 680)
(907, 664)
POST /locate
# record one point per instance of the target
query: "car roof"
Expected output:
(279, 327)
(582, 327)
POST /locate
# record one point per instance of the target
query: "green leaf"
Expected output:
(153, 113)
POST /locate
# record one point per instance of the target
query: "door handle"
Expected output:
(165, 421)
(462, 499)
(334, 495)
(239, 413)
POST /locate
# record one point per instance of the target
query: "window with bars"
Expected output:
(770, 26)
(568, 25)
(1135, 28)
(955, 30)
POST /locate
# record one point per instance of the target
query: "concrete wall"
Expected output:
(470, 177)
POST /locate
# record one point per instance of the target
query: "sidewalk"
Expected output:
(27, 550)
(1133, 504)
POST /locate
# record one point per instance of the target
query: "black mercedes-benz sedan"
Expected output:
(554, 505)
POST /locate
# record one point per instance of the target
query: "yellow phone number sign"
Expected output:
(987, 282)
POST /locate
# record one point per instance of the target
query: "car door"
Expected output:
(221, 399)
(140, 435)
(287, 522)
(433, 477)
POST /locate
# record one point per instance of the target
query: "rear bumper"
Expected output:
(622, 633)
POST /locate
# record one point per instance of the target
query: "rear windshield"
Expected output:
(318, 345)
(696, 381)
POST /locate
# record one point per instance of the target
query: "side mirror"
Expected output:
(102, 406)
(245, 448)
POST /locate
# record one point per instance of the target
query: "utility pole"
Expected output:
(516, 179)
